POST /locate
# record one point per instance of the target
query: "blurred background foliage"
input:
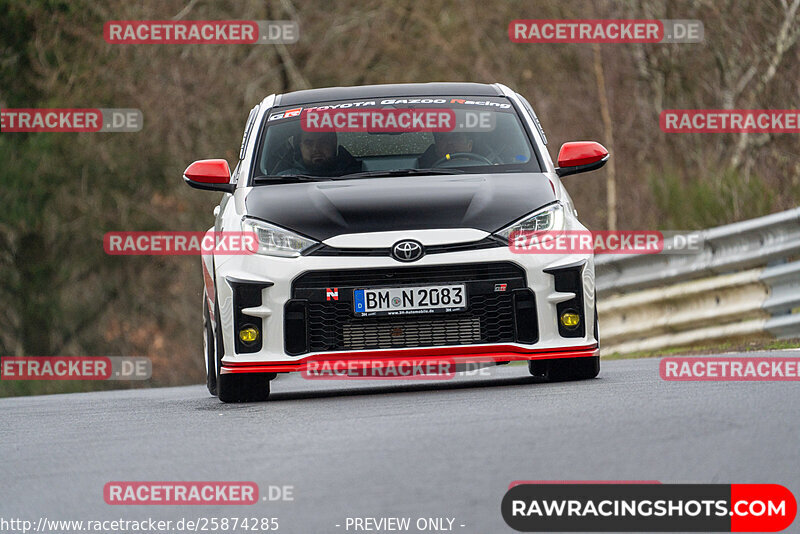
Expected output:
(60, 192)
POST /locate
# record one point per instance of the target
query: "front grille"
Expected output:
(325, 250)
(391, 276)
(390, 334)
(331, 325)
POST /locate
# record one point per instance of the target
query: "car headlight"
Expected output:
(276, 241)
(549, 218)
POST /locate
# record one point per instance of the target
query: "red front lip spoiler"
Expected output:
(464, 354)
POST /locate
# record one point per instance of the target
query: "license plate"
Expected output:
(410, 300)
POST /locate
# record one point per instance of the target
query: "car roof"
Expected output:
(310, 96)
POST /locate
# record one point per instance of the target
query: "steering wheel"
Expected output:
(462, 155)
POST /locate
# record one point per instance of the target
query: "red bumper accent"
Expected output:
(463, 354)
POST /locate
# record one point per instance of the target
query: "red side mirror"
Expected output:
(213, 174)
(581, 156)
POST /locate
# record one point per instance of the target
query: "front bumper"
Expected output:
(464, 354)
(277, 275)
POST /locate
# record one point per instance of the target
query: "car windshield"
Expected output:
(392, 137)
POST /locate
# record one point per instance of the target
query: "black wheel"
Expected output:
(210, 349)
(563, 369)
(244, 387)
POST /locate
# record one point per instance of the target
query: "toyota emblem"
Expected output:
(407, 250)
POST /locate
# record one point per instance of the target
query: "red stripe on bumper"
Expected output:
(492, 353)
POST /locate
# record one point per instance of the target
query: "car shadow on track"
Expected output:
(417, 387)
(323, 389)
(394, 388)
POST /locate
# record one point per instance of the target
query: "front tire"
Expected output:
(564, 369)
(209, 349)
(244, 387)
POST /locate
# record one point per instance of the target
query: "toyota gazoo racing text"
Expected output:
(381, 218)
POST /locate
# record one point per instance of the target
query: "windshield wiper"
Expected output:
(398, 172)
(288, 178)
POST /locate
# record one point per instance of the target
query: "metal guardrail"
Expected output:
(745, 282)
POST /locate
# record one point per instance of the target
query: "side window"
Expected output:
(529, 108)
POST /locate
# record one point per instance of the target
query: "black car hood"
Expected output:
(321, 210)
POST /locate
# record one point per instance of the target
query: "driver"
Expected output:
(321, 155)
(445, 143)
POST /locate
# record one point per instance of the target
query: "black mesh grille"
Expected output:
(470, 272)
(332, 325)
(389, 334)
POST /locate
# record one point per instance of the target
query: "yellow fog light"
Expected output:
(570, 319)
(248, 334)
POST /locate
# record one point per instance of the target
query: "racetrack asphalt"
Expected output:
(395, 449)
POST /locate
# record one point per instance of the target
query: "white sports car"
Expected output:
(383, 215)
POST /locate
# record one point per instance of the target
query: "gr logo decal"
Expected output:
(285, 114)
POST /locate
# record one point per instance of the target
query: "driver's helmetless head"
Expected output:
(451, 143)
(318, 149)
